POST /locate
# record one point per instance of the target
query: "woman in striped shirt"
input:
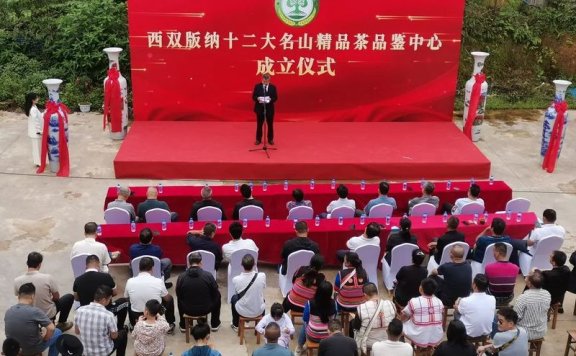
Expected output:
(305, 283)
(349, 283)
(317, 314)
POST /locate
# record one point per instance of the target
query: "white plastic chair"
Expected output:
(432, 265)
(381, 210)
(541, 256)
(300, 213)
(369, 256)
(478, 267)
(423, 208)
(116, 216)
(79, 264)
(518, 205)
(294, 262)
(472, 208)
(208, 261)
(209, 213)
(157, 215)
(235, 267)
(251, 212)
(341, 211)
(156, 270)
(401, 256)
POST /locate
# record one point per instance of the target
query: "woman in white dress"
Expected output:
(35, 125)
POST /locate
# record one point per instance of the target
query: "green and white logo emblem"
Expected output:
(296, 13)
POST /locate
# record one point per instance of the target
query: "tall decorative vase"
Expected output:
(115, 96)
(478, 102)
(55, 133)
(551, 128)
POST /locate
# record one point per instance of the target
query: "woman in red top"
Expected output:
(305, 283)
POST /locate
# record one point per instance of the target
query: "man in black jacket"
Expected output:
(451, 235)
(300, 242)
(197, 293)
(203, 240)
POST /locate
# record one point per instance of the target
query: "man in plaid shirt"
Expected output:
(97, 327)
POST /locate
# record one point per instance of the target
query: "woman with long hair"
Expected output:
(35, 125)
(457, 343)
(317, 314)
(304, 285)
(400, 237)
(349, 282)
(201, 334)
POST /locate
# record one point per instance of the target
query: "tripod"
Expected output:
(265, 147)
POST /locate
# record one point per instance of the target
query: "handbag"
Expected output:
(361, 339)
(236, 297)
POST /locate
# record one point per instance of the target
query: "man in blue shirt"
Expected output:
(145, 247)
(492, 234)
(383, 188)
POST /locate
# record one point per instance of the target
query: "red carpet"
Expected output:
(353, 151)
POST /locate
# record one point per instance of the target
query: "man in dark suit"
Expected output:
(248, 199)
(203, 240)
(206, 201)
(337, 344)
(451, 235)
(263, 108)
(300, 242)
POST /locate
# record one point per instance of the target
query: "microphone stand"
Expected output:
(265, 147)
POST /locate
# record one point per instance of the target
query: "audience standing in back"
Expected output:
(427, 197)
(47, 297)
(152, 202)
(304, 285)
(206, 201)
(248, 300)
(272, 347)
(383, 198)
(349, 283)
(393, 345)
(510, 340)
(237, 242)
(201, 334)
(150, 330)
(282, 320)
(408, 279)
(121, 202)
(298, 196)
(477, 310)
(404, 236)
(557, 280)
(451, 235)
(146, 248)
(300, 242)
(457, 343)
(248, 199)
(532, 306)
(501, 276)
(90, 246)
(337, 344)
(204, 240)
(457, 277)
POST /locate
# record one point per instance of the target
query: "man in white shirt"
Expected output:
(473, 197)
(477, 311)
(237, 242)
(371, 236)
(392, 346)
(90, 246)
(249, 298)
(548, 228)
(143, 287)
(342, 200)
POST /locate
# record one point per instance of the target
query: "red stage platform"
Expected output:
(320, 150)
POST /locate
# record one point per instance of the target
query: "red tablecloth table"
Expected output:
(329, 235)
(180, 198)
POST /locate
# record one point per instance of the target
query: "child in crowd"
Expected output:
(278, 316)
(150, 330)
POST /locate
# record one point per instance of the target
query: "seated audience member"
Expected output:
(372, 318)
(427, 197)
(349, 283)
(47, 298)
(203, 240)
(342, 200)
(25, 323)
(490, 235)
(197, 293)
(146, 248)
(451, 235)
(392, 345)
(248, 300)
(121, 202)
(152, 202)
(145, 287)
(317, 314)
(557, 280)
(272, 334)
(477, 310)
(85, 287)
(383, 198)
(548, 228)
(472, 197)
(501, 276)
(207, 200)
(457, 277)
(201, 334)
(237, 242)
(69, 345)
(304, 285)
(11, 347)
(532, 306)
(510, 340)
(150, 330)
(97, 328)
(408, 279)
(371, 236)
(300, 242)
(278, 317)
(337, 344)
(248, 199)
(457, 343)
(298, 196)
(423, 316)
(90, 246)
(572, 284)
(404, 236)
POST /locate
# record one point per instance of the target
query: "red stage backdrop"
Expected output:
(331, 60)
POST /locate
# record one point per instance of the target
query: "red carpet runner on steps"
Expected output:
(348, 151)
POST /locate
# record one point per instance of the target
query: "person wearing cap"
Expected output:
(69, 345)
(264, 96)
(121, 202)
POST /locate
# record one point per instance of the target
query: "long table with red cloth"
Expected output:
(329, 235)
(181, 198)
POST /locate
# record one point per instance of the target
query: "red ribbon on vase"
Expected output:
(113, 102)
(549, 163)
(51, 109)
(474, 101)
